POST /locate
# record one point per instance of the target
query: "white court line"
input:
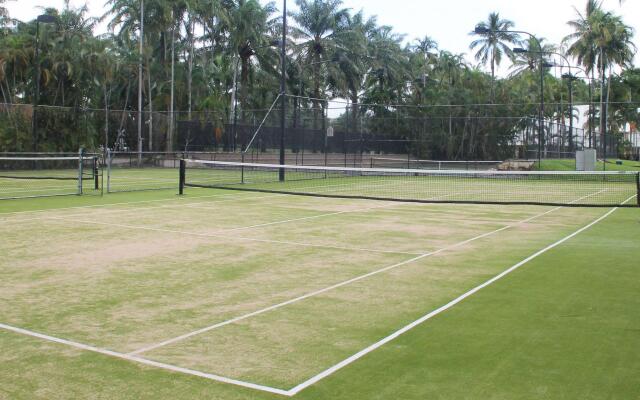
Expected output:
(445, 307)
(145, 361)
(332, 287)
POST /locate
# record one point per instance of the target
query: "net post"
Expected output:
(80, 171)
(183, 167)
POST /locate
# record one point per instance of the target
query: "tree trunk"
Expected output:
(190, 67)
(493, 75)
(106, 118)
(150, 109)
(316, 88)
(354, 110)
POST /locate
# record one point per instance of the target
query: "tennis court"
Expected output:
(269, 291)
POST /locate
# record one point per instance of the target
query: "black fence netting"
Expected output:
(319, 132)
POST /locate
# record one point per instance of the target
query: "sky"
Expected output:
(447, 21)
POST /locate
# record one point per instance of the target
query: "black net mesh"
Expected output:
(492, 187)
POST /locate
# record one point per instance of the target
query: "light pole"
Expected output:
(140, 83)
(483, 30)
(283, 88)
(45, 19)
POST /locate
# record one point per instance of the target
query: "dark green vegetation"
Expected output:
(548, 330)
(196, 53)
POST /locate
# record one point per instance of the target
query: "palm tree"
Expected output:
(601, 40)
(353, 62)
(248, 37)
(494, 44)
(321, 32)
(529, 60)
(449, 68)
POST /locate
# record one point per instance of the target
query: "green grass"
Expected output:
(570, 165)
(563, 326)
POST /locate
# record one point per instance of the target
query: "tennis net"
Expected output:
(592, 189)
(23, 177)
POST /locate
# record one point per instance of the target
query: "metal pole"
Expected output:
(324, 130)
(80, 167)
(591, 119)
(571, 144)
(283, 88)
(344, 136)
(140, 83)
(36, 94)
(541, 116)
(235, 108)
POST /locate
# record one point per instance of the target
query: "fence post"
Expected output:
(96, 181)
(183, 167)
(80, 172)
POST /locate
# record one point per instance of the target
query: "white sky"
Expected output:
(447, 21)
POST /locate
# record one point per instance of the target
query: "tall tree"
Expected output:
(599, 42)
(321, 30)
(248, 37)
(494, 44)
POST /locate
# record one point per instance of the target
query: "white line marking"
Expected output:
(432, 314)
(145, 361)
(332, 287)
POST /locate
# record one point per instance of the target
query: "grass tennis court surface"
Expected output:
(236, 295)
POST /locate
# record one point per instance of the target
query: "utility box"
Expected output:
(586, 160)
